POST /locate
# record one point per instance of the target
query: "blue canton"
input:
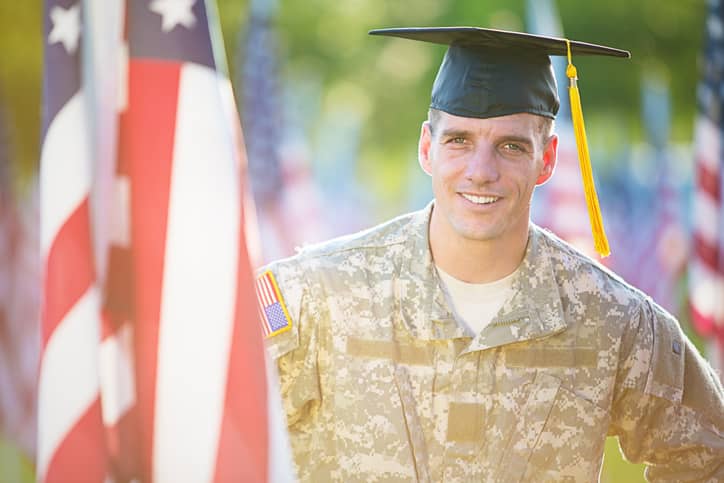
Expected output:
(275, 316)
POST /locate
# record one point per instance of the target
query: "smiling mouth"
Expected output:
(480, 200)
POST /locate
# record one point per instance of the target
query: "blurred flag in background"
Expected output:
(287, 199)
(644, 224)
(643, 197)
(562, 202)
(706, 269)
(19, 318)
(171, 385)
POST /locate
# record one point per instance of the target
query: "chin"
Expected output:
(478, 234)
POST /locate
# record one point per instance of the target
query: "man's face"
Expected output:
(484, 172)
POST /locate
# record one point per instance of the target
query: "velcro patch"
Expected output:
(387, 349)
(551, 357)
(465, 422)
(274, 314)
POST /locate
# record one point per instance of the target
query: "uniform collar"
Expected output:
(534, 311)
(422, 303)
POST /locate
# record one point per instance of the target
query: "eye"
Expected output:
(514, 148)
(456, 140)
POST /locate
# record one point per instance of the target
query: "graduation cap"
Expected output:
(490, 73)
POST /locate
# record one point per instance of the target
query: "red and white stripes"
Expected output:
(159, 373)
(706, 285)
(265, 291)
(69, 403)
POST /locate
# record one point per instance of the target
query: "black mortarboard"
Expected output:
(490, 73)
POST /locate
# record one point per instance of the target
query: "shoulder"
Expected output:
(388, 233)
(305, 282)
(616, 313)
(583, 278)
(330, 253)
(652, 343)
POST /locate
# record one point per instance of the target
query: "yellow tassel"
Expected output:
(594, 210)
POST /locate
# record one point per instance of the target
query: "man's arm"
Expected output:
(668, 408)
(294, 347)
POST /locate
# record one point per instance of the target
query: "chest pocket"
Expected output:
(559, 437)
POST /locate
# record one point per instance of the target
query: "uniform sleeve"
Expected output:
(668, 408)
(296, 349)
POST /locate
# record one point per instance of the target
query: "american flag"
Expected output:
(645, 197)
(706, 270)
(274, 315)
(69, 406)
(279, 168)
(261, 101)
(180, 387)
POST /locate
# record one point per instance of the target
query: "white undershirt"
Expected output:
(475, 304)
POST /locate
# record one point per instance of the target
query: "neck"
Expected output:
(477, 261)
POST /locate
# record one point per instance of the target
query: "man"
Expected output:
(464, 343)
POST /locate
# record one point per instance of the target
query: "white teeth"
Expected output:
(480, 200)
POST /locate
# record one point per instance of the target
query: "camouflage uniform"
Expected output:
(381, 384)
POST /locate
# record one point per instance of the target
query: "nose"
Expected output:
(482, 166)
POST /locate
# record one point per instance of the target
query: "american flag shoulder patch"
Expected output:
(274, 314)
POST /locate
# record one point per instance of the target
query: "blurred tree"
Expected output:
(20, 45)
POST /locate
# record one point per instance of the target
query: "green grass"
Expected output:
(618, 470)
(15, 467)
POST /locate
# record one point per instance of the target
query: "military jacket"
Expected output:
(380, 383)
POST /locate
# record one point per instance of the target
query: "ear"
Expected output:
(550, 156)
(423, 148)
